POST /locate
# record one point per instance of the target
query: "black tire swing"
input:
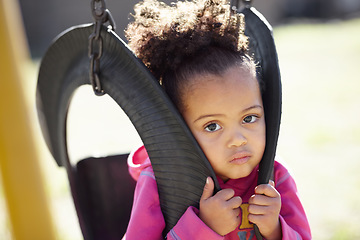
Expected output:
(179, 164)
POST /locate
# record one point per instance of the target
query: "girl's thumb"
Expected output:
(271, 182)
(208, 189)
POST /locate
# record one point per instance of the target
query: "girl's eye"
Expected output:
(212, 127)
(250, 119)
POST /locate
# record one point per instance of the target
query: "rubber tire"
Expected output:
(179, 164)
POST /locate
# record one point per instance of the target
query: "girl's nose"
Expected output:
(236, 139)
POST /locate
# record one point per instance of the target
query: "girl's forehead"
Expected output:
(228, 95)
(205, 83)
(216, 87)
(231, 76)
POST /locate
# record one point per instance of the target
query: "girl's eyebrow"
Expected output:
(252, 107)
(208, 116)
(222, 115)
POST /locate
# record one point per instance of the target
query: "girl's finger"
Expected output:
(254, 218)
(267, 189)
(271, 182)
(208, 189)
(236, 212)
(225, 194)
(262, 200)
(235, 202)
(257, 209)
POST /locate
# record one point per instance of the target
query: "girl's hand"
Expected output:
(221, 211)
(264, 210)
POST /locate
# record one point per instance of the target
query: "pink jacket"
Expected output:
(147, 221)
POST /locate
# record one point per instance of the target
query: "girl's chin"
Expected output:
(241, 173)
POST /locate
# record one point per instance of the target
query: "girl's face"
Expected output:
(225, 114)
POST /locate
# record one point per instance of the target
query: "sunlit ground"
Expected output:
(319, 138)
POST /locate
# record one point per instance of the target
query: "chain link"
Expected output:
(95, 48)
(234, 4)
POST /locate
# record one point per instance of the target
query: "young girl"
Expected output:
(198, 51)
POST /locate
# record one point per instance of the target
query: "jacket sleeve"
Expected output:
(147, 221)
(292, 215)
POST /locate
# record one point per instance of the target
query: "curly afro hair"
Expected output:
(186, 38)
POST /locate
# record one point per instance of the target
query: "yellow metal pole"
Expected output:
(19, 166)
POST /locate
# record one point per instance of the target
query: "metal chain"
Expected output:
(95, 48)
(234, 4)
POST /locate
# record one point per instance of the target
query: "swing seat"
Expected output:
(104, 196)
(101, 188)
(169, 142)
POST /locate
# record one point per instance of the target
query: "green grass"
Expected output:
(319, 139)
(320, 132)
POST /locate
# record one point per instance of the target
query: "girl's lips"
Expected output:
(240, 158)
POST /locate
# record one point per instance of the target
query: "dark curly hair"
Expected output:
(187, 38)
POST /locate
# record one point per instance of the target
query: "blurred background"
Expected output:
(318, 43)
